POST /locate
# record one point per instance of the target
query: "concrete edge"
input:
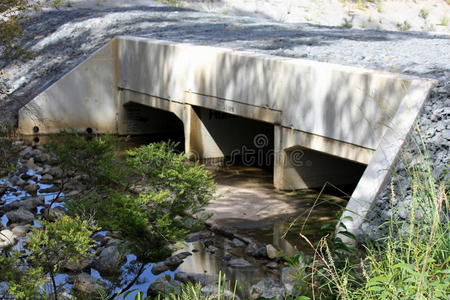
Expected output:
(380, 167)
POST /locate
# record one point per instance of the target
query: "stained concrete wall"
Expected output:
(352, 113)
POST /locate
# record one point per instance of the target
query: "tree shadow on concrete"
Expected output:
(61, 39)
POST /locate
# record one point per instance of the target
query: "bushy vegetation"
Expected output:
(148, 199)
(48, 249)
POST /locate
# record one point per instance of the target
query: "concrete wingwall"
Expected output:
(326, 111)
(86, 97)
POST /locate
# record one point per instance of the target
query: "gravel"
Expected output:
(60, 39)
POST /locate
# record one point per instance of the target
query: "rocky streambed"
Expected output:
(36, 189)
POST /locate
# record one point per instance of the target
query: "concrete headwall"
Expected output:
(358, 115)
(343, 103)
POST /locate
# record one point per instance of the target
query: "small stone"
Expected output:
(212, 249)
(164, 286)
(87, 285)
(52, 189)
(20, 230)
(211, 291)
(109, 260)
(196, 236)
(159, 268)
(272, 265)
(31, 188)
(30, 164)
(25, 176)
(57, 212)
(240, 263)
(268, 288)
(20, 216)
(47, 178)
(202, 279)
(237, 243)
(175, 260)
(41, 158)
(20, 182)
(289, 277)
(28, 204)
(77, 266)
(256, 251)
(7, 238)
(272, 253)
(56, 172)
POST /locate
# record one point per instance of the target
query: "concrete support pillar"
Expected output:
(200, 144)
(297, 167)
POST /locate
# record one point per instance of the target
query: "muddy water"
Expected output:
(247, 201)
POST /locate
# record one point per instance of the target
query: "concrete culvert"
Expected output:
(354, 114)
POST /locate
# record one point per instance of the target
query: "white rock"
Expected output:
(7, 238)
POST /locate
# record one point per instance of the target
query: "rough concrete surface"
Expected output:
(60, 39)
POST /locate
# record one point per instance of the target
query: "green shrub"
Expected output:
(48, 249)
(190, 185)
(92, 156)
(152, 219)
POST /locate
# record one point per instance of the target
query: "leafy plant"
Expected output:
(67, 240)
(424, 13)
(189, 185)
(23, 281)
(444, 21)
(405, 26)
(48, 249)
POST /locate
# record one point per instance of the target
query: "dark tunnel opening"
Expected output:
(243, 141)
(150, 125)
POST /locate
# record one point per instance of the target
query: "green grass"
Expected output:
(411, 262)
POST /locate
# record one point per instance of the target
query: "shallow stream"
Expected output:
(246, 204)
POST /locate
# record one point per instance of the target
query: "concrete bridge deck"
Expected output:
(324, 122)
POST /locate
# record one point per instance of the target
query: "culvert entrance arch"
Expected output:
(359, 116)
